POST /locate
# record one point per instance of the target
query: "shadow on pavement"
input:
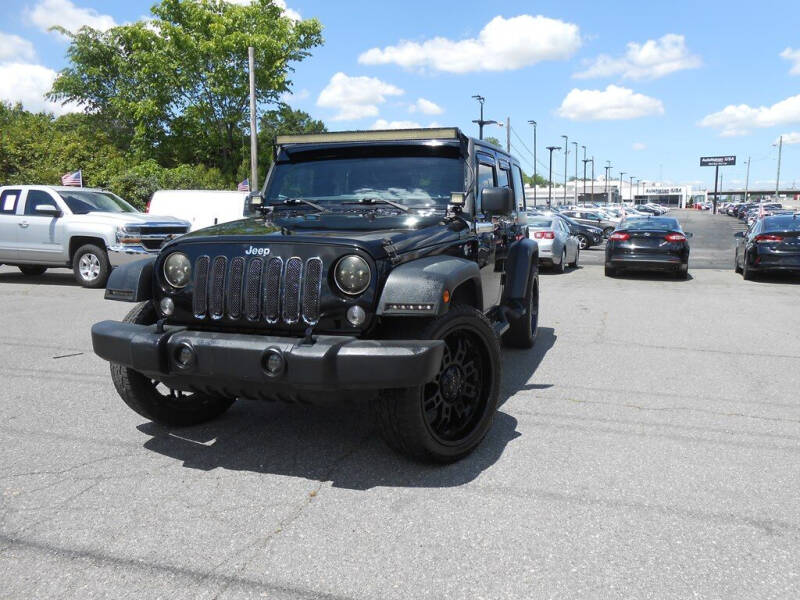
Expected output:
(777, 278)
(651, 276)
(48, 278)
(336, 444)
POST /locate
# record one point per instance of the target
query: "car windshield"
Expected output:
(415, 181)
(662, 224)
(81, 202)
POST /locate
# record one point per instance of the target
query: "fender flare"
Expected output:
(522, 262)
(132, 282)
(423, 282)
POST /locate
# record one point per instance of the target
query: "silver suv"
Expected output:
(88, 230)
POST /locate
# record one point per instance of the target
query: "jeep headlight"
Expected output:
(177, 269)
(352, 274)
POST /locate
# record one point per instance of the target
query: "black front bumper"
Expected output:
(233, 364)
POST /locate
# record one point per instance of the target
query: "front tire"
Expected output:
(444, 420)
(145, 396)
(583, 242)
(90, 266)
(562, 266)
(574, 264)
(747, 273)
(32, 270)
(522, 332)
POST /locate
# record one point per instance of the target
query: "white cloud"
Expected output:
(14, 47)
(28, 83)
(613, 103)
(738, 119)
(355, 97)
(426, 107)
(502, 45)
(639, 146)
(792, 56)
(48, 13)
(292, 14)
(384, 124)
(791, 138)
(651, 60)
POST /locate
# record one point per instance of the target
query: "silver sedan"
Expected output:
(557, 246)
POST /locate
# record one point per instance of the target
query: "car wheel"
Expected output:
(90, 266)
(522, 332)
(607, 231)
(583, 242)
(156, 402)
(747, 272)
(445, 419)
(682, 272)
(736, 267)
(610, 271)
(32, 270)
(562, 266)
(574, 264)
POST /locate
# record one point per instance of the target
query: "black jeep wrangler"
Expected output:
(385, 263)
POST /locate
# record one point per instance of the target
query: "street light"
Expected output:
(630, 189)
(480, 121)
(534, 161)
(575, 181)
(621, 173)
(584, 173)
(566, 152)
(593, 179)
(607, 168)
(550, 178)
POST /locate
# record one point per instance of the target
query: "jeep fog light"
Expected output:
(177, 269)
(356, 316)
(273, 362)
(167, 306)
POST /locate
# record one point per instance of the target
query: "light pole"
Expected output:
(607, 168)
(621, 173)
(566, 152)
(638, 181)
(593, 179)
(747, 179)
(480, 121)
(550, 178)
(532, 122)
(778, 178)
(584, 173)
(575, 181)
(630, 189)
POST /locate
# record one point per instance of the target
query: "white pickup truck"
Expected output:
(88, 230)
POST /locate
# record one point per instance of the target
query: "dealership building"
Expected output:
(668, 194)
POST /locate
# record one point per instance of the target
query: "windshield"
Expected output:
(416, 181)
(82, 202)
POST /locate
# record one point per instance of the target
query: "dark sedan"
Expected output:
(771, 244)
(587, 235)
(648, 244)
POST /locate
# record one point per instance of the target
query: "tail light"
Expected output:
(675, 237)
(768, 237)
(620, 236)
(544, 235)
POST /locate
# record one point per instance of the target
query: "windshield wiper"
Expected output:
(295, 201)
(402, 207)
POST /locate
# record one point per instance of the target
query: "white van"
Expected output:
(202, 208)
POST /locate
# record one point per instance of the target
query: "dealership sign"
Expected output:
(663, 191)
(717, 161)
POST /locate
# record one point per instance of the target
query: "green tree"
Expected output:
(492, 140)
(176, 88)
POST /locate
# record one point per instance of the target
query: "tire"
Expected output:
(736, 267)
(522, 332)
(682, 272)
(142, 395)
(419, 421)
(32, 270)
(607, 231)
(90, 266)
(583, 242)
(562, 266)
(747, 273)
(574, 264)
(610, 271)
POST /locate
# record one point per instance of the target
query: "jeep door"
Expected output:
(488, 235)
(9, 202)
(41, 236)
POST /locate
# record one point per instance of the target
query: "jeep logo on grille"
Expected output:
(253, 251)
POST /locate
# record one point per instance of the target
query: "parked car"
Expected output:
(771, 244)
(88, 230)
(372, 270)
(644, 208)
(587, 235)
(201, 208)
(558, 248)
(649, 244)
(594, 218)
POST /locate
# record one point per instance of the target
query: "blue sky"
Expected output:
(648, 86)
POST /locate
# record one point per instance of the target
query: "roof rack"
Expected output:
(377, 135)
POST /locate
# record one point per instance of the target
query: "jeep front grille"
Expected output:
(273, 290)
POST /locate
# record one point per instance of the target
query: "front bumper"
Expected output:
(234, 364)
(120, 254)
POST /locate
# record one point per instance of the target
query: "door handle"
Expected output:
(23, 224)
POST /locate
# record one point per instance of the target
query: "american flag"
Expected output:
(75, 179)
(244, 186)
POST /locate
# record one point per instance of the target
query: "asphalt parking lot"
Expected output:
(646, 447)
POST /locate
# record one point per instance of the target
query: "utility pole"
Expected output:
(534, 161)
(593, 179)
(481, 122)
(607, 168)
(566, 152)
(585, 160)
(621, 173)
(550, 178)
(508, 135)
(575, 181)
(251, 58)
(778, 178)
(747, 179)
(630, 189)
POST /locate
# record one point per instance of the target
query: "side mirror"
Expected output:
(739, 234)
(46, 210)
(497, 201)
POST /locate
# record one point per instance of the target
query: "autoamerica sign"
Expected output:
(717, 161)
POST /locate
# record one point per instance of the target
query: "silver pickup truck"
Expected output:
(88, 230)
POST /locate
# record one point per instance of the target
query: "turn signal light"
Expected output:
(544, 235)
(675, 237)
(619, 236)
(768, 237)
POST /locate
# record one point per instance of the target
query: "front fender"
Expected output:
(521, 264)
(132, 282)
(423, 282)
